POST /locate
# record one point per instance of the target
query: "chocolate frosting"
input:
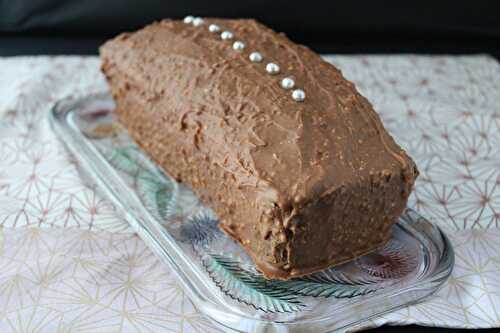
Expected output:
(305, 185)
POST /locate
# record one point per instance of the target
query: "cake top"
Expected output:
(272, 68)
(293, 126)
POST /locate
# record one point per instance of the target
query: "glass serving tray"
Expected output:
(215, 272)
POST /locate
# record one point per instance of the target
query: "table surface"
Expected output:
(11, 45)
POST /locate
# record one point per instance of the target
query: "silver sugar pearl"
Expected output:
(238, 46)
(255, 57)
(272, 68)
(197, 21)
(287, 83)
(188, 19)
(213, 28)
(298, 95)
(226, 35)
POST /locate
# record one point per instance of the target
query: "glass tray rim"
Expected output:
(58, 119)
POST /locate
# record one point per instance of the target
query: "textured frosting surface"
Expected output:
(301, 185)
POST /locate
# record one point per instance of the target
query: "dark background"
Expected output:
(79, 26)
(427, 27)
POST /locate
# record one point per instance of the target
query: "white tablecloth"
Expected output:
(69, 261)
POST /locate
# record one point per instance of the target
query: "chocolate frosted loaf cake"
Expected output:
(292, 159)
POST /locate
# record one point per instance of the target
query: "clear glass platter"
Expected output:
(215, 272)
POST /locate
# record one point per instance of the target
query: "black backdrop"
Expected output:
(447, 26)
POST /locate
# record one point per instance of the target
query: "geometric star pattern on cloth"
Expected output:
(52, 280)
(70, 261)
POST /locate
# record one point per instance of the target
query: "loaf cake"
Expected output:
(292, 159)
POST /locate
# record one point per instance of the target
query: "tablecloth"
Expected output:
(69, 261)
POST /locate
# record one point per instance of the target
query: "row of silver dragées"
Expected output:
(298, 95)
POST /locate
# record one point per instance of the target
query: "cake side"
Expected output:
(287, 179)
